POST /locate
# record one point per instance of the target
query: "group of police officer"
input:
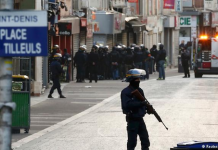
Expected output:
(102, 64)
(120, 61)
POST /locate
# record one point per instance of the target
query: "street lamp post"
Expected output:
(6, 105)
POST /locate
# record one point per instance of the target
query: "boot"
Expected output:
(62, 96)
(50, 96)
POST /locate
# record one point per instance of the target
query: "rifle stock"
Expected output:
(138, 95)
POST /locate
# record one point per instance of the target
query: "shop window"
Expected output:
(185, 32)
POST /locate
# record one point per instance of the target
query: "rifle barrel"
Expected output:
(164, 126)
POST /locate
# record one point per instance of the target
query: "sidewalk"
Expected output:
(38, 99)
(188, 110)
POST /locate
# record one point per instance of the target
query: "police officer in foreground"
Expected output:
(135, 110)
(56, 71)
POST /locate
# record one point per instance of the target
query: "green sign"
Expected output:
(185, 21)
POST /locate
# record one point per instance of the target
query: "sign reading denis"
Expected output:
(23, 33)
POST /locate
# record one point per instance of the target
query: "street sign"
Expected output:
(23, 33)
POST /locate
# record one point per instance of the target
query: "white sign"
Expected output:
(23, 33)
(178, 6)
(188, 21)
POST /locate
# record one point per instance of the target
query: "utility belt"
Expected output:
(129, 118)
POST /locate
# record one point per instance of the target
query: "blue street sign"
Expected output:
(23, 33)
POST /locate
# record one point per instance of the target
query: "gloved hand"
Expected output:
(149, 108)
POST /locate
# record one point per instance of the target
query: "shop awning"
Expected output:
(75, 21)
(136, 25)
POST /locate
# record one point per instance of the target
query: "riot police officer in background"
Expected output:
(146, 60)
(80, 62)
(66, 62)
(122, 71)
(93, 61)
(161, 58)
(154, 52)
(114, 59)
(129, 59)
(56, 71)
(135, 110)
(185, 57)
(106, 63)
(55, 49)
(138, 57)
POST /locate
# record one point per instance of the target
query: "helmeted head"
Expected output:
(136, 48)
(133, 76)
(55, 48)
(106, 48)
(57, 56)
(95, 47)
(133, 45)
(161, 46)
(82, 48)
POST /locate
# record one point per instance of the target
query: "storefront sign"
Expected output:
(83, 22)
(117, 21)
(23, 33)
(89, 31)
(132, 1)
(206, 19)
(178, 6)
(188, 21)
(214, 19)
(169, 4)
(65, 29)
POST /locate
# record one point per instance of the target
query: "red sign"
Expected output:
(169, 4)
(83, 22)
(132, 1)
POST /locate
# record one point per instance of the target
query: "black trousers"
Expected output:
(93, 73)
(80, 72)
(134, 128)
(185, 66)
(56, 85)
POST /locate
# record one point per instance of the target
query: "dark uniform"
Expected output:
(129, 59)
(114, 59)
(185, 62)
(138, 57)
(93, 60)
(56, 71)
(135, 110)
(146, 61)
(161, 58)
(80, 62)
(154, 52)
(122, 70)
(66, 62)
(106, 63)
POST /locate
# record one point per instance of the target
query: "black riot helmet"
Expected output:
(161, 46)
(134, 74)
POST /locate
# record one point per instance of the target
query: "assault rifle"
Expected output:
(150, 108)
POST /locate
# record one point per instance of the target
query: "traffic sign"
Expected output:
(23, 33)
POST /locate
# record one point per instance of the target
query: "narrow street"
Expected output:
(188, 107)
(80, 96)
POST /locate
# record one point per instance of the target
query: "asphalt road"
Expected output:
(188, 107)
(80, 96)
